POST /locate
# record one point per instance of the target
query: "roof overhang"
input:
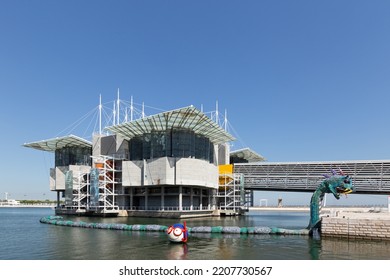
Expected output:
(57, 143)
(247, 154)
(184, 118)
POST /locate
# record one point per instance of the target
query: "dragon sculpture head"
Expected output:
(338, 183)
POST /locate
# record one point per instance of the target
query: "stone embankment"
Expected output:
(371, 224)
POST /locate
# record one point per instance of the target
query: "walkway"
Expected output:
(369, 177)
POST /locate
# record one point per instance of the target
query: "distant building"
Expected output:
(162, 165)
(9, 202)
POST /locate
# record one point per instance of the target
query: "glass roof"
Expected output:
(53, 144)
(184, 118)
(247, 154)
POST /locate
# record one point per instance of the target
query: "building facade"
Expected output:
(161, 165)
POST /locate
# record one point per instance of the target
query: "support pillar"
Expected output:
(162, 198)
(191, 199)
(131, 204)
(58, 199)
(209, 199)
(201, 199)
(180, 198)
(146, 198)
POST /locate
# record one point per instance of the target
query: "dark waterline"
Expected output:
(23, 237)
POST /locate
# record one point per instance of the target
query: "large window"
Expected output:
(172, 143)
(73, 156)
(183, 143)
(160, 144)
(136, 148)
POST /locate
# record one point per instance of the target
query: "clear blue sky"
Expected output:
(301, 80)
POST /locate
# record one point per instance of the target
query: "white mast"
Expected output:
(201, 108)
(131, 109)
(143, 110)
(216, 112)
(114, 115)
(225, 121)
(117, 107)
(100, 114)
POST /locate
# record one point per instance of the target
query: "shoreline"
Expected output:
(367, 209)
(28, 206)
(297, 209)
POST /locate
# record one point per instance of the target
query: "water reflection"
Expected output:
(334, 248)
(177, 251)
(23, 237)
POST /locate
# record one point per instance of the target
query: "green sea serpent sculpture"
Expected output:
(336, 184)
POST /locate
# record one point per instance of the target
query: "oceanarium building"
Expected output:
(172, 164)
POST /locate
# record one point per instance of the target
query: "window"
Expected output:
(136, 148)
(73, 156)
(172, 143)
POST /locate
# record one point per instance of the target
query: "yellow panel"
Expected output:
(225, 169)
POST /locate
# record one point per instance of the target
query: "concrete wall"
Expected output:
(159, 171)
(355, 227)
(195, 172)
(110, 145)
(52, 180)
(60, 172)
(170, 171)
(57, 175)
(132, 173)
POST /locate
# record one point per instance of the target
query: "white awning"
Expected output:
(184, 118)
(247, 154)
(53, 144)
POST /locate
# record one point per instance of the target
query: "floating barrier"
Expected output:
(59, 221)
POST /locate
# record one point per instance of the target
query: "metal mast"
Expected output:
(114, 115)
(100, 114)
(225, 120)
(216, 112)
(117, 107)
(131, 109)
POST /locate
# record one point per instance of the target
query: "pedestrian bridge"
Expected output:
(369, 176)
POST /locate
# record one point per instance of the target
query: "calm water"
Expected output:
(23, 237)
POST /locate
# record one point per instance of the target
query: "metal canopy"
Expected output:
(53, 144)
(184, 118)
(247, 154)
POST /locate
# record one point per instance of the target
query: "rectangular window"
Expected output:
(136, 148)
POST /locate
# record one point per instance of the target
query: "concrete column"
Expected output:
(58, 199)
(131, 190)
(191, 199)
(146, 198)
(180, 198)
(162, 197)
(201, 199)
(210, 198)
